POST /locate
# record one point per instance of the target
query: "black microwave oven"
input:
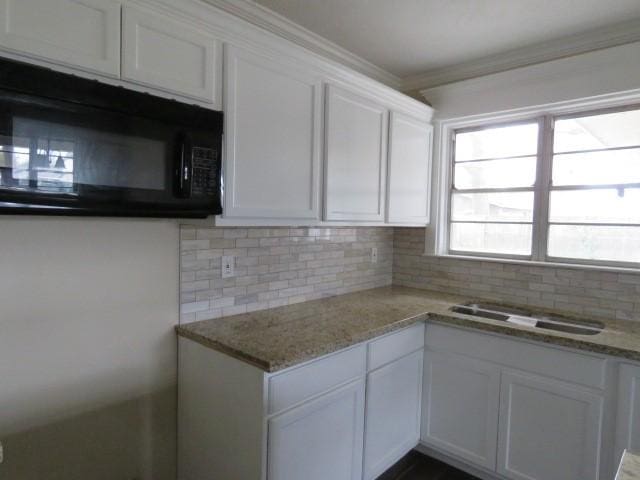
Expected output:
(72, 146)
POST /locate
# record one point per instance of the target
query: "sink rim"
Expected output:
(522, 317)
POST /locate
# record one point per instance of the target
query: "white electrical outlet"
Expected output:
(228, 266)
(374, 255)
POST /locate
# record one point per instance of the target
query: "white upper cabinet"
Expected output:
(549, 430)
(273, 117)
(409, 175)
(173, 56)
(76, 33)
(356, 157)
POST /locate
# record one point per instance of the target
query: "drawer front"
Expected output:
(574, 367)
(298, 384)
(395, 345)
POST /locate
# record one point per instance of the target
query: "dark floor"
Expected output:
(416, 466)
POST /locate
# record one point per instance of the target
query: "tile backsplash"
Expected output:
(277, 266)
(581, 291)
(280, 266)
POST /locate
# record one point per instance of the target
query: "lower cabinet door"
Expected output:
(393, 413)
(319, 440)
(628, 423)
(460, 407)
(549, 430)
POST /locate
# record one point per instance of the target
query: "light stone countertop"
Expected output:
(629, 467)
(281, 337)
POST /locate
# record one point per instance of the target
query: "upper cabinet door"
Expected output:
(77, 33)
(169, 55)
(549, 430)
(356, 157)
(409, 187)
(272, 133)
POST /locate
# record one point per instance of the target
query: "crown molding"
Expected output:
(611, 36)
(277, 24)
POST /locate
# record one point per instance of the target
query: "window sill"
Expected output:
(532, 263)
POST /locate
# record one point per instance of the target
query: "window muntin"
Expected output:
(589, 212)
(492, 194)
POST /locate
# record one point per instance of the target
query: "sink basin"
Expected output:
(527, 318)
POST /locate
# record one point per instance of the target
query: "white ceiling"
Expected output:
(411, 37)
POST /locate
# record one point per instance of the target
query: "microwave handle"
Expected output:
(184, 168)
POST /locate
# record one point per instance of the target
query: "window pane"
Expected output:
(512, 172)
(597, 168)
(609, 130)
(492, 207)
(596, 206)
(619, 244)
(491, 238)
(497, 142)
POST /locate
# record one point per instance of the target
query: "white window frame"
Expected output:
(437, 234)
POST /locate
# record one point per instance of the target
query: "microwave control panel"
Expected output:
(204, 171)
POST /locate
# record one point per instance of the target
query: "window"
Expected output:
(556, 188)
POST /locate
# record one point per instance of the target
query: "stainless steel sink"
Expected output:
(527, 318)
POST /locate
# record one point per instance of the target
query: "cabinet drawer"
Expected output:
(395, 345)
(294, 386)
(578, 368)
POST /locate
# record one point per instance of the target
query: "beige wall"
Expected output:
(592, 74)
(87, 349)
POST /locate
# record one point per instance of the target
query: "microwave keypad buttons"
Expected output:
(204, 170)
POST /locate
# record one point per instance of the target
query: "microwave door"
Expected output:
(127, 164)
(92, 165)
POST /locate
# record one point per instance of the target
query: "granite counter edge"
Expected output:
(271, 366)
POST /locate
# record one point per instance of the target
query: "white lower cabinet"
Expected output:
(460, 407)
(308, 422)
(544, 420)
(393, 413)
(549, 430)
(319, 440)
(628, 422)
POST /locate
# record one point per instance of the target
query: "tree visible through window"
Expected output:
(577, 200)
